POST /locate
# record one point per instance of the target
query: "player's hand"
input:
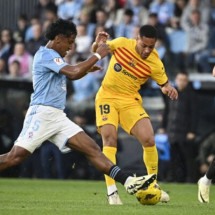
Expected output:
(103, 50)
(101, 37)
(213, 72)
(170, 91)
(94, 68)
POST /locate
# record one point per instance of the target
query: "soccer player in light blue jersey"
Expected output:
(45, 118)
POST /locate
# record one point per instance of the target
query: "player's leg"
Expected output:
(205, 182)
(109, 139)
(135, 121)
(107, 123)
(14, 157)
(35, 130)
(144, 133)
(86, 145)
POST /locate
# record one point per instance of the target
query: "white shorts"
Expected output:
(46, 123)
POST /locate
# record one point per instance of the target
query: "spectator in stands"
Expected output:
(29, 32)
(84, 18)
(212, 14)
(125, 27)
(140, 12)
(70, 9)
(179, 6)
(153, 20)
(3, 71)
(207, 56)
(14, 69)
(90, 7)
(197, 40)
(25, 59)
(6, 44)
(83, 41)
(177, 38)
(112, 7)
(102, 18)
(41, 8)
(164, 10)
(37, 40)
(180, 123)
(22, 26)
(192, 5)
(163, 146)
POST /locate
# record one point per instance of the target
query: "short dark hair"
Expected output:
(60, 26)
(148, 31)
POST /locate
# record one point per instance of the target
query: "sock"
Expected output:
(150, 158)
(205, 180)
(111, 189)
(110, 152)
(211, 170)
(117, 174)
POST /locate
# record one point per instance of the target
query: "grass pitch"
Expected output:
(72, 197)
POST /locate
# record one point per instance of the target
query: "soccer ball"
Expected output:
(149, 196)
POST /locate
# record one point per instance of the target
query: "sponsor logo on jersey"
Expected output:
(58, 60)
(117, 67)
(129, 74)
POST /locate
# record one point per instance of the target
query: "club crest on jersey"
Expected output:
(104, 118)
(117, 67)
(132, 62)
(58, 60)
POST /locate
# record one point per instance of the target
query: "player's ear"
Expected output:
(59, 38)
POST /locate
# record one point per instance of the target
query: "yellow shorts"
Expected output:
(119, 110)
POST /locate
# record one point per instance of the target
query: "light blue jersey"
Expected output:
(49, 85)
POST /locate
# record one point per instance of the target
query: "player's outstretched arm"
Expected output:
(170, 91)
(74, 72)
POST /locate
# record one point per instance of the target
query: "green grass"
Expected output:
(71, 197)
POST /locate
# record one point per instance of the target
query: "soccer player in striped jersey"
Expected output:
(118, 101)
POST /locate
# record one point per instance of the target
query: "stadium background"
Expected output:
(203, 84)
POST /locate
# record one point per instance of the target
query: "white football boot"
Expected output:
(113, 199)
(136, 183)
(203, 192)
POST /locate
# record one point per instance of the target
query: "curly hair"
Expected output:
(60, 26)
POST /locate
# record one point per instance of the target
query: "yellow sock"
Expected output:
(110, 152)
(150, 158)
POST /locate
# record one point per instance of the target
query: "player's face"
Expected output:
(145, 46)
(65, 44)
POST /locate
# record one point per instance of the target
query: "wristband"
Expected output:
(162, 85)
(98, 56)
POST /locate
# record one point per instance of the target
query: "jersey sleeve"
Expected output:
(158, 71)
(53, 61)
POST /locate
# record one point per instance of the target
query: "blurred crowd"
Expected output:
(186, 43)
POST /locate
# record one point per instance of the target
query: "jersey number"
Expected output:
(104, 109)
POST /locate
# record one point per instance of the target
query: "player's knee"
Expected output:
(149, 141)
(110, 141)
